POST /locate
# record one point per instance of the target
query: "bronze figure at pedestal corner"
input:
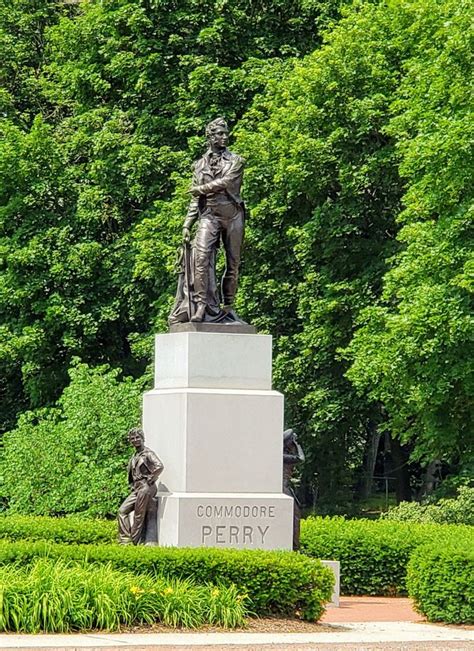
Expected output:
(292, 455)
(219, 211)
(144, 468)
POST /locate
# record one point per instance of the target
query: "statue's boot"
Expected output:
(200, 313)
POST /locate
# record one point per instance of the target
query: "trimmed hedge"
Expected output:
(275, 582)
(440, 580)
(374, 554)
(71, 530)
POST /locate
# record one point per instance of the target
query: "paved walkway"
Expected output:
(359, 624)
(357, 635)
(372, 609)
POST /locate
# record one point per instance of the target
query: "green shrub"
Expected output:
(275, 582)
(67, 530)
(459, 510)
(374, 555)
(72, 458)
(440, 580)
(56, 596)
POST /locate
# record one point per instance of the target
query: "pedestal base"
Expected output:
(228, 327)
(238, 520)
(218, 427)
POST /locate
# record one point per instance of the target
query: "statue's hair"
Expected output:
(288, 436)
(214, 125)
(137, 430)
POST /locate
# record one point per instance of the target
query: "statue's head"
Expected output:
(289, 439)
(289, 435)
(136, 436)
(217, 133)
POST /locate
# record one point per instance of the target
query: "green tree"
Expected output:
(113, 99)
(324, 190)
(413, 351)
(73, 458)
(60, 277)
(22, 188)
(22, 54)
(378, 115)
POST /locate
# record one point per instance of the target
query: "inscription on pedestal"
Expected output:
(249, 531)
(251, 522)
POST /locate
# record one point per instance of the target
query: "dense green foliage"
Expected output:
(31, 202)
(441, 582)
(74, 457)
(322, 182)
(275, 582)
(107, 100)
(449, 511)
(341, 153)
(70, 530)
(58, 597)
(358, 252)
(374, 555)
(413, 351)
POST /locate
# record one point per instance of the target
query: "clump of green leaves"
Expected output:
(458, 510)
(73, 456)
(59, 596)
(275, 582)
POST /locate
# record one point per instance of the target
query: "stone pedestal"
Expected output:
(217, 425)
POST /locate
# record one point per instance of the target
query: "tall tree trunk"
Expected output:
(370, 460)
(400, 471)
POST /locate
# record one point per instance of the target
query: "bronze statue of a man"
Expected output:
(292, 455)
(144, 468)
(220, 212)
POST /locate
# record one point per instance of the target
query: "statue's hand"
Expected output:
(186, 235)
(195, 191)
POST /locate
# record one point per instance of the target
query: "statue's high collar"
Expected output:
(225, 153)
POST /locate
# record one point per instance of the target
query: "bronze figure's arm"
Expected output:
(154, 466)
(233, 175)
(291, 459)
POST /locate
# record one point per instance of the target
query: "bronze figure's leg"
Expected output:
(125, 533)
(296, 525)
(232, 237)
(144, 494)
(207, 238)
(150, 530)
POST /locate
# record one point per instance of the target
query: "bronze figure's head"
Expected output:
(136, 436)
(217, 133)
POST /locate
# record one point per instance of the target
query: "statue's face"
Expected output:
(135, 439)
(219, 138)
